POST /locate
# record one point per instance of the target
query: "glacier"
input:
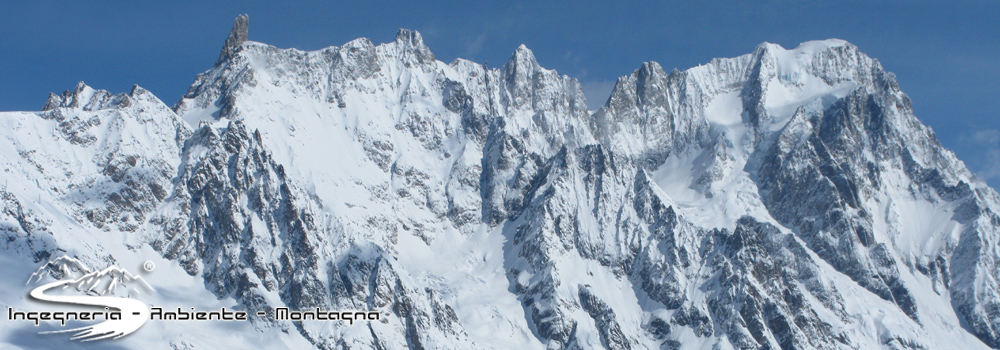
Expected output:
(783, 199)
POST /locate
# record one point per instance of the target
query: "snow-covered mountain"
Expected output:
(781, 199)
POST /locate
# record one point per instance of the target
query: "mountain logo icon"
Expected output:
(110, 289)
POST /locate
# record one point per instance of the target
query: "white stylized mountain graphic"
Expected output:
(111, 281)
(101, 288)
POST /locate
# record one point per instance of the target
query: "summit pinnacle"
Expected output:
(236, 37)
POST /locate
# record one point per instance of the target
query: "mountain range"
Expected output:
(783, 199)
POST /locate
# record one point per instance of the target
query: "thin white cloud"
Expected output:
(476, 46)
(991, 168)
(989, 137)
(987, 163)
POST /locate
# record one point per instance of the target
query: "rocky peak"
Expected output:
(84, 97)
(521, 64)
(651, 80)
(138, 91)
(834, 61)
(411, 42)
(649, 71)
(236, 38)
(645, 86)
(519, 75)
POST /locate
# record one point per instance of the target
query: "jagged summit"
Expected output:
(84, 97)
(236, 37)
(410, 38)
(412, 43)
(87, 98)
(523, 53)
(770, 77)
(522, 61)
(520, 69)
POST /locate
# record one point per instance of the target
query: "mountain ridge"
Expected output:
(779, 199)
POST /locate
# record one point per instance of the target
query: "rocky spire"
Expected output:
(520, 68)
(236, 37)
(411, 41)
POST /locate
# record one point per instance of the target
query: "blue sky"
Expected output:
(945, 54)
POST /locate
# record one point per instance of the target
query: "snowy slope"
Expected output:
(780, 199)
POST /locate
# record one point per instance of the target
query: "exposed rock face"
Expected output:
(236, 37)
(781, 199)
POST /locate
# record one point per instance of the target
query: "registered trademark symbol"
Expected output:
(148, 266)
